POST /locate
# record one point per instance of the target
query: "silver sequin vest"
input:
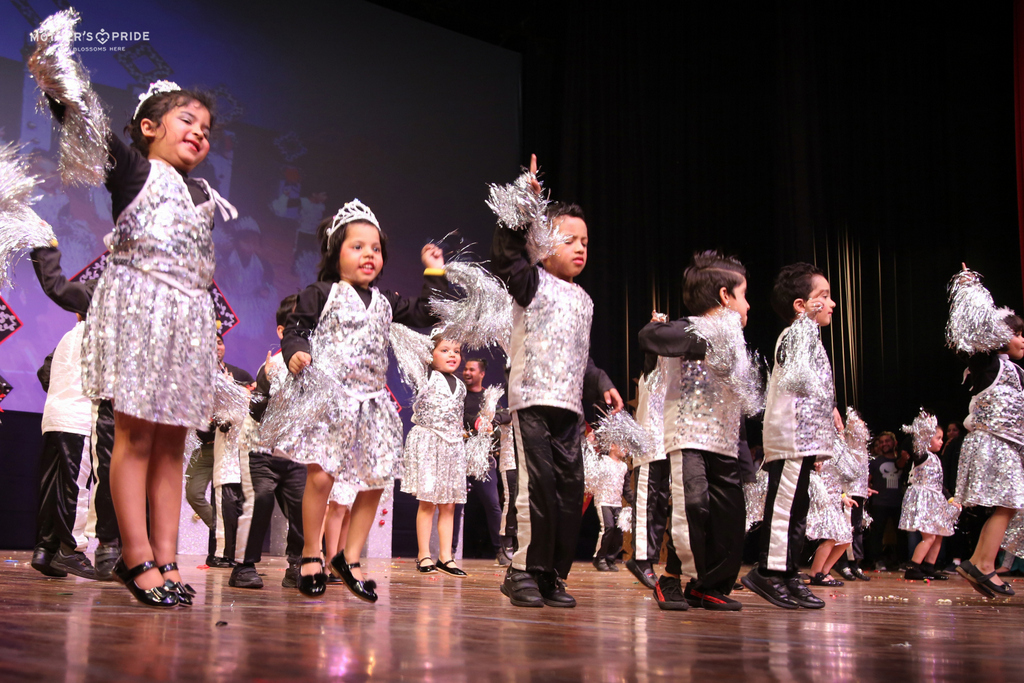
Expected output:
(999, 409)
(350, 342)
(550, 346)
(439, 409)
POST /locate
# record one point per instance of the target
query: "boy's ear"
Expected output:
(799, 306)
(723, 296)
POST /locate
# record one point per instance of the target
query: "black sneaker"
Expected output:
(821, 579)
(245, 576)
(915, 573)
(669, 594)
(291, 576)
(552, 591)
(643, 572)
(802, 595)
(846, 573)
(771, 588)
(106, 557)
(613, 566)
(214, 562)
(501, 560)
(521, 589)
(859, 573)
(41, 559)
(74, 563)
(710, 599)
(932, 573)
(601, 565)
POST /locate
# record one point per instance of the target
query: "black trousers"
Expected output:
(881, 515)
(66, 476)
(481, 496)
(508, 486)
(650, 512)
(269, 478)
(714, 512)
(785, 515)
(227, 508)
(102, 446)
(609, 541)
(549, 501)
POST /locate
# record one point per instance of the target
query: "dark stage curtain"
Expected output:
(1018, 112)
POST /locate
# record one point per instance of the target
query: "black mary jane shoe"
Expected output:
(152, 597)
(364, 590)
(313, 585)
(859, 573)
(428, 568)
(450, 569)
(183, 590)
(821, 579)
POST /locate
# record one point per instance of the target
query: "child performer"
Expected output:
(991, 472)
(925, 504)
(151, 316)
(333, 414)
(800, 420)
(550, 357)
(855, 486)
(827, 521)
(435, 452)
(265, 477)
(608, 501)
(715, 386)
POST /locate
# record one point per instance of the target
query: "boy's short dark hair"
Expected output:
(793, 282)
(286, 308)
(1015, 323)
(479, 361)
(559, 209)
(707, 273)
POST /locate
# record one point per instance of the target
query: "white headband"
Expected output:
(155, 89)
(354, 210)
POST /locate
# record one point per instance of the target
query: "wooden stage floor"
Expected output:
(438, 628)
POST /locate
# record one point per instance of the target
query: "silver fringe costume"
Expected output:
(826, 516)
(609, 490)
(991, 469)
(150, 333)
(754, 495)
(650, 409)
(925, 509)
(337, 413)
(1013, 540)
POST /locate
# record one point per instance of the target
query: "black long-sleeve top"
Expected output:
(71, 296)
(671, 339)
(510, 265)
(983, 368)
(303, 320)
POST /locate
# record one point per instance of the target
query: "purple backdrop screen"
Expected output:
(312, 109)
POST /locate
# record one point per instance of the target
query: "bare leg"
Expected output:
(424, 523)
(445, 527)
(129, 467)
(834, 556)
(164, 488)
(924, 548)
(333, 524)
(821, 556)
(343, 531)
(991, 539)
(314, 507)
(933, 553)
(364, 509)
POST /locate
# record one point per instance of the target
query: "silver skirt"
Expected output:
(435, 469)
(991, 472)
(927, 511)
(826, 518)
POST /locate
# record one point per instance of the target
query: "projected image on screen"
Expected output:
(312, 110)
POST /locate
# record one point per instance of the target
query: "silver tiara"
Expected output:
(354, 210)
(155, 89)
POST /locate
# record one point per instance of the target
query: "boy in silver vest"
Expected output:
(549, 354)
(711, 385)
(800, 422)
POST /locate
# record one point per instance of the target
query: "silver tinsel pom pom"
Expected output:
(975, 325)
(729, 359)
(20, 228)
(478, 456)
(923, 428)
(192, 446)
(856, 433)
(316, 392)
(517, 206)
(489, 405)
(625, 520)
(798, 371)
(413, 351)
(481, 318)
(620, 429)
(230, 407)
(59, 72)
(846, 463)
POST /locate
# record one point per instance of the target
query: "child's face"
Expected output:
(820, 300)
(447, 356)
(570, 258)
(736, 300)
(935, 445)
(181, 138)
(360, 259)
(1015, 347)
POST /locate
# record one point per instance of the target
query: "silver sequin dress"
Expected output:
(435, 452)
(1013, 541)
(925, 509)
(826, 518)
(149, 342)
(991, 470)
(337, 413)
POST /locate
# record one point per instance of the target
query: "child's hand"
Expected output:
(483, 426)
(299, 362)
(612, 398)
(849, 502)
(871, 492)
(534, 184)
(838, 419)
(432, 256)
